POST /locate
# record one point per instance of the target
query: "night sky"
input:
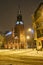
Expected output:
(9, 10)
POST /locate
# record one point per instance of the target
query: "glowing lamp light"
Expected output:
(28, 37)
(30, 30)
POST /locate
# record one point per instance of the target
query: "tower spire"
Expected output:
(19, 12)
(19, 16)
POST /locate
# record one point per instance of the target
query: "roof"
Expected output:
(41, 4)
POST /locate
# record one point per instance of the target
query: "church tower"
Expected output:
(20, 40)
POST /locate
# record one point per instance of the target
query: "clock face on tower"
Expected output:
(19, 22)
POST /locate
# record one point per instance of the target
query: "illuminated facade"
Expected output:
(1, 39)
(8, 41)
(38, 26)
(15, 39)
(20, 32)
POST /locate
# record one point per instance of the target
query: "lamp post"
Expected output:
(29, 30)
(30, 37)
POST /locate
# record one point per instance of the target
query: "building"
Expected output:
(20, 39)
(1, 39)
(8, 41)
(16, 39)
(38, 26)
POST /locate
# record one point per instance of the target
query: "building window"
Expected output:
(42, 43)
(42, 31)
(38, 34)
(37, 25)
(41, 23)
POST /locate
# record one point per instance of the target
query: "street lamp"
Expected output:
(28, 37)
(30, 30)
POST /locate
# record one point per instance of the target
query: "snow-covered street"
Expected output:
(21, 57)
(27, 52)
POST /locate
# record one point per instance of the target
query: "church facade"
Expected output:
(20, 38)
(16, 38)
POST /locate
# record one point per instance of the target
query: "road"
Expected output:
(19, 59)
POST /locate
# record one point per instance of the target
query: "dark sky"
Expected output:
(9, 9)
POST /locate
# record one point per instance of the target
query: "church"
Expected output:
(16, 39)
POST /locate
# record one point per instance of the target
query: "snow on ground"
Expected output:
(27, 52)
